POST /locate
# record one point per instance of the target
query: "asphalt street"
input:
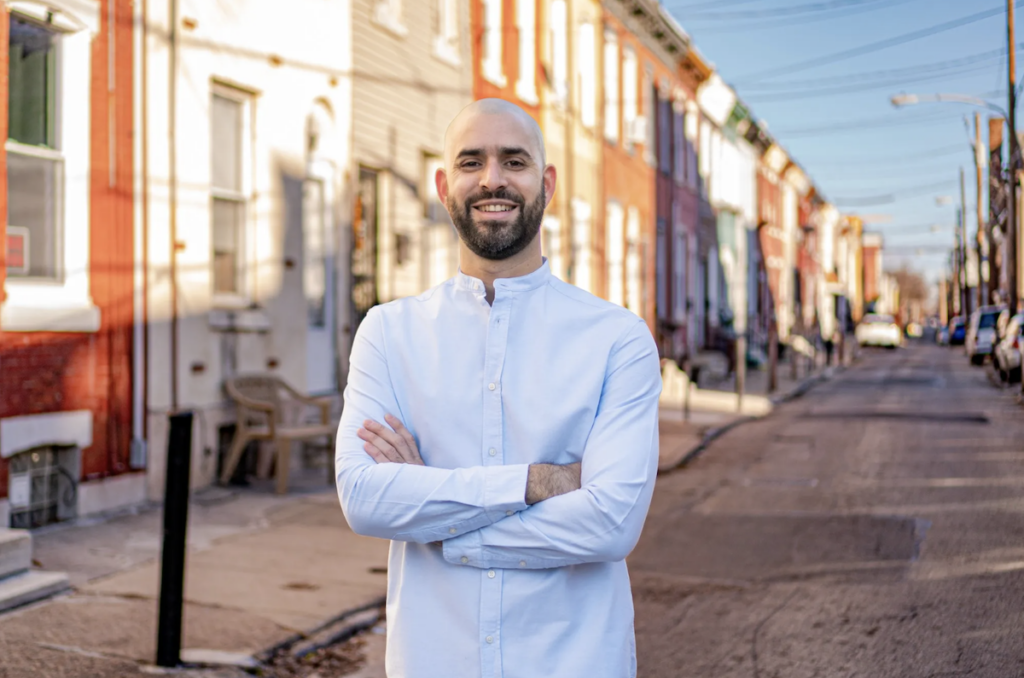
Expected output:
(872, 528)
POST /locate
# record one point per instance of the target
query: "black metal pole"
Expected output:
(172, 568)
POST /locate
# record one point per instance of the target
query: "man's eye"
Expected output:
(516, 163)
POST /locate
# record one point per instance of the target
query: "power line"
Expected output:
(762, 25)
(889, 198)
(795, 10)
(877, 46)
(908, 71)
(865, 123)
(893, 160)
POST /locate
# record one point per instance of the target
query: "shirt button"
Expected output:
(522, 563)
(492, 452)
(508, 513)
(489, 639)
(491, 386)
(490, 574)
(465, 560)
(452, 530)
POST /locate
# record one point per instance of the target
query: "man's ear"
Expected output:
(550, 176)
(441, 181)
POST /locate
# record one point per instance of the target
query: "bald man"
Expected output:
(501, 429)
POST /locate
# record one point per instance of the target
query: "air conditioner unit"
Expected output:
(636, 130)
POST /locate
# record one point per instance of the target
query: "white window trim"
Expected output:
(65, 305)
(559, 46)
(491, 67)
(615, 253)
(447, 45)
(588, 74)
(526, 16)
(388, 15)
(630, 102)
(612, 95)
(247, 254)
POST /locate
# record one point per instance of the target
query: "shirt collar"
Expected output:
(523, 283)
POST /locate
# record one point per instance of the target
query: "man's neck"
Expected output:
(488, 270)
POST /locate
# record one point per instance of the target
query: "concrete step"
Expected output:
(30, 586)
(15, 551)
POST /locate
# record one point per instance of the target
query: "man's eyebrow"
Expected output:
(515, 150)
(470, 153)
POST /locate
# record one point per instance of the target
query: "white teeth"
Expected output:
(495, 208)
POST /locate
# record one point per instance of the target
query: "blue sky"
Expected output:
(850, 139)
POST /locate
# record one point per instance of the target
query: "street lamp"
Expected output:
(904, 99)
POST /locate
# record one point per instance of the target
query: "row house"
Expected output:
(70, 419)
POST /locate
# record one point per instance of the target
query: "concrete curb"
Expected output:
(356, 622)
(714, 434)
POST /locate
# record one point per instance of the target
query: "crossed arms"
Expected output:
(524, 516)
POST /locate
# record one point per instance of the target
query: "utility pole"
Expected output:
(963, 250)
(983, 246)
(1011, 120)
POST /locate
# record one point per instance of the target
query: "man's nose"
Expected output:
(493, 176)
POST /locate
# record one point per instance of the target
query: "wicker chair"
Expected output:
(261, 402)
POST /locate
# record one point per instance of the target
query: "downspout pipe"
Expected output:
(172, 187)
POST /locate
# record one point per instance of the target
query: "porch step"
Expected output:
(30, 586)
(15, 551)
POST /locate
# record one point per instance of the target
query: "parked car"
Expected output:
(981, 333)
(957, 331)
(879, 330)
(1006, 355)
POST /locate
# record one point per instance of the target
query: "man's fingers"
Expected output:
(376, 454)
(411, 451)
(380, 444)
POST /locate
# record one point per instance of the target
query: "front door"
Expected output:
(319, 284)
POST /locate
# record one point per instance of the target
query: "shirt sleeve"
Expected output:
(602, 520)
(401, 501)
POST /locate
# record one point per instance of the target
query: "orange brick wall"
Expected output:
(51, 372)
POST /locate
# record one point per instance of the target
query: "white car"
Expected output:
(1006, 355)
(981, 333)
(879, 330)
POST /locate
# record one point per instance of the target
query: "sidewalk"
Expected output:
(261, 568)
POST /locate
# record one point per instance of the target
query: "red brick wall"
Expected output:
(871, 256)
(52, 372)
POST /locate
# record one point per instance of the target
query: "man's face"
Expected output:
(496, 185)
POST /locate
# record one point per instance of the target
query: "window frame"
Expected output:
(388, 15)
(630, 95)
(612, 63)
(526, 23)
(242, 297)
(447, 41)
(493, 52)
(587, 72)
(558, 37)
(64, 304)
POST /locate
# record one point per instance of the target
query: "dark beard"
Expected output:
(498, 240)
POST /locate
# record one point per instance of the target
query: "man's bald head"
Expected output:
(485, 114)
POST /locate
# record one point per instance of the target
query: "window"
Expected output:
(630, 91)
(227, 189)
(526, 18)
(680, 257)
(581, 244)
(446, 43)
(48, 168)
(315, 270)
(559, 50)
(650, 115)
(664, 135)
(388, 13)
(613, 248)
(588, 76)
(492, 68)
(634, 268)
(34, 163)
(679, 142)
(551, 245)
(660, 256)
(690, 124)
(611, 87)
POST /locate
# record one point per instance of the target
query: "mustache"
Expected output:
(500, 194)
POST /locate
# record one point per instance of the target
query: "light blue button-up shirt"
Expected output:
(546, 374)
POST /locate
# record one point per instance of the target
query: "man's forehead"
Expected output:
(492, 131)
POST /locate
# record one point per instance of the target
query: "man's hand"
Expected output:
(550, 480)
(393, 445)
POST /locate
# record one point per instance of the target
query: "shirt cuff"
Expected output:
(505, 490)
(466, 549)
